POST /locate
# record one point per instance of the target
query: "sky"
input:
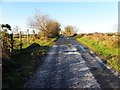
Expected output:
(88, 17)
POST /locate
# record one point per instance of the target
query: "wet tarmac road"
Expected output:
(71, 65)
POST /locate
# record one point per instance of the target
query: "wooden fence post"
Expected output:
(20, 36)
(11, 42)
(34, 35)
(28, 36)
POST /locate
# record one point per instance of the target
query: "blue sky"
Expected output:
(87, 16)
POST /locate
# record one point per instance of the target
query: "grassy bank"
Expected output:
(27, 42)
(105, 48)
(24, 63)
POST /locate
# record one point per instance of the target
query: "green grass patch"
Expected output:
(26, 43)
(109, 53)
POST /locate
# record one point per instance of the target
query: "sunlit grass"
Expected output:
(104, 49)
(26, 42)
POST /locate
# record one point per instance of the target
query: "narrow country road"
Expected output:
(71, 65)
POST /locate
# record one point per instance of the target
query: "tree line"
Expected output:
(48, 27)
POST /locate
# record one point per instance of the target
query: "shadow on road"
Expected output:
(22, 64)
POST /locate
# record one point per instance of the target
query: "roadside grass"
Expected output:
(26, 43)
(104, 49)
(24, 62)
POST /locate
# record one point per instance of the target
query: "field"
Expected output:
(22, 64)
(104, 45)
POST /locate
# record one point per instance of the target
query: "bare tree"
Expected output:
(44, 24)
(39, 22)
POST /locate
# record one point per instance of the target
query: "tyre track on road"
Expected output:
(70, 65)
(66, 69)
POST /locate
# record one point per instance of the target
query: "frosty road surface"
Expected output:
(69, 65)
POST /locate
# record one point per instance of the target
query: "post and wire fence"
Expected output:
(11, 41)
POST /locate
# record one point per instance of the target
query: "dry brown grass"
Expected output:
(108, 41)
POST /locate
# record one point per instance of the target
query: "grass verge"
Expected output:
(110, 54)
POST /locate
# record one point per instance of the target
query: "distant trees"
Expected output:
(46, 26)
(69, 30)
